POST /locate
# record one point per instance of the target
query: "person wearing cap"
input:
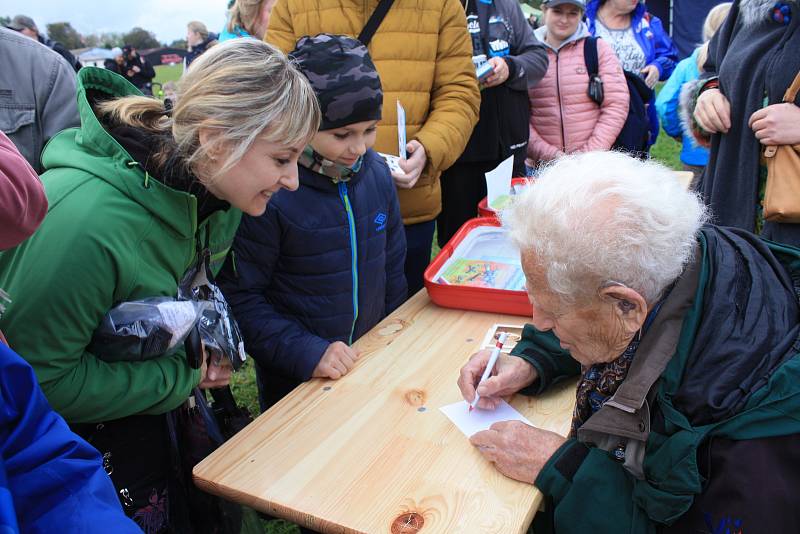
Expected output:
(39, 90)
(138, 70)
(323, 265)
(26, 26)
(423, 53)
(563, 118)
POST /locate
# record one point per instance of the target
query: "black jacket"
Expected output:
(197, 51)
(61, 50)
(503, 124)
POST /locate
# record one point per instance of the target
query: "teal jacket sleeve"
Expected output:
(542, 350)
(590, 492)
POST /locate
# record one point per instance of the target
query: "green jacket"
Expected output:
(112, 234)
(697, 402)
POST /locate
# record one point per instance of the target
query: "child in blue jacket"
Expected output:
(672, 102)
(324, 264)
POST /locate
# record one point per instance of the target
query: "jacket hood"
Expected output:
(751, 296)
(581, 33)
(91, 149)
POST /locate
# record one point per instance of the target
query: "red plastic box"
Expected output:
(485, 211)
(473, 298)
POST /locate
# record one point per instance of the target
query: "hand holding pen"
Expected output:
(487, 372)
(511, 374)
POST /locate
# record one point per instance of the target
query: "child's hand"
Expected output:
(412, 167)
(337, 360)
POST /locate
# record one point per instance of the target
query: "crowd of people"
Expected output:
(261, 185)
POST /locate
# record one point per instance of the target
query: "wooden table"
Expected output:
(372, 452)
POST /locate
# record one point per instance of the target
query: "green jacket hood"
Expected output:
(92, 150)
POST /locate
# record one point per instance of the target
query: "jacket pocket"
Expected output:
(18, 123)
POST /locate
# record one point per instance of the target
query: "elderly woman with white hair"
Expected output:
(686, 339)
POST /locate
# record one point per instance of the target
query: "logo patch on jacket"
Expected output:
(380, 221)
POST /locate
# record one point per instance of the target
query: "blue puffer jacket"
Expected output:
(658, 48)
(323, 264)
(50, 479)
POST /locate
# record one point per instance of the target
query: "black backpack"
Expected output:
(635, 133)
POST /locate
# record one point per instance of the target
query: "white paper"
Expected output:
(498, 181)
(471, 422)
(401, 131)
(179, 317)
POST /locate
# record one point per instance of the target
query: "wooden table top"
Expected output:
(372, 452)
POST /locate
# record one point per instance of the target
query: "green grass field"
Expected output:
(666, 150)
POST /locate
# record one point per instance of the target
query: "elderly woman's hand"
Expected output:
(517, 450)
(509, 376)
(713, 111)
(778, 124)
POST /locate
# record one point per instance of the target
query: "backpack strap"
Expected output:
(374, 21)
(590, 56)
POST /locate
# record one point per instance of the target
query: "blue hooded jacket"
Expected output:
(656, 44)
(51, 480)
(668, 105)
(322, 264)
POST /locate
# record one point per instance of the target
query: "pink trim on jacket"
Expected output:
(23, 203)
(586, 126)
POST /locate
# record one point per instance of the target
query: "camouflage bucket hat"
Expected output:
(343, 77)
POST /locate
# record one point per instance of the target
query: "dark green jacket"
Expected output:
(719, 425)
(112, 234)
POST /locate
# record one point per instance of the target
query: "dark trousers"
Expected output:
(463, 186)
(419, 241)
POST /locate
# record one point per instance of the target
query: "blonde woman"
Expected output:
(247, 18)
(136, 197)
(675, 119)
(198, 40)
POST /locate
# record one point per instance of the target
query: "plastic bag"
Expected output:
(198, 317)
(143, 329)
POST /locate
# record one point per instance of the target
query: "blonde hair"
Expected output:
(199, 28)
(239, 90)
(713, 21)
(243, 14)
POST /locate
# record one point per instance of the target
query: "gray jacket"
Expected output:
(38, 95)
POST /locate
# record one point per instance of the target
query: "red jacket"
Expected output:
(23, 203)
(563, 117)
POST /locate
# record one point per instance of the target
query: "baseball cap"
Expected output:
(553, 3)
(20, 22)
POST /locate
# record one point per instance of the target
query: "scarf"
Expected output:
(314, 161)
(599, 383)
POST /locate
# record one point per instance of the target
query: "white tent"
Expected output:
(95, 57)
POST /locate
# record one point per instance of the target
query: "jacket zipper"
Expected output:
(353, 251)
(560, 106)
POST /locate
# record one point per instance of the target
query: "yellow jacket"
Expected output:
(423, 54)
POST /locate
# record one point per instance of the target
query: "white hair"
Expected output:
(601, 217)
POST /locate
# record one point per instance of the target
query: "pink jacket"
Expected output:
(23, 203)
(563, 117)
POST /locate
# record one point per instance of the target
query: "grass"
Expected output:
(243, 384)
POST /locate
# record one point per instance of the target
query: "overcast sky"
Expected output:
(166, 18)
